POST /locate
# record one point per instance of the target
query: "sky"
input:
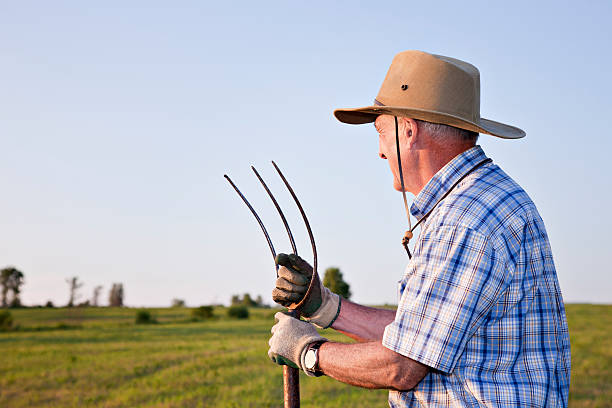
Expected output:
(119, 119)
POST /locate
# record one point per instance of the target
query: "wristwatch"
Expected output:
(311, 359)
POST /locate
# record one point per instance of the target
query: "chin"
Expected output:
(397, 186)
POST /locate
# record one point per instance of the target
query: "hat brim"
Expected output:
(368, 114)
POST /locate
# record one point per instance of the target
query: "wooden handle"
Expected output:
(291, 379)
(291, 387)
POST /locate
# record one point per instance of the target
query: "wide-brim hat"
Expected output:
(431, 88)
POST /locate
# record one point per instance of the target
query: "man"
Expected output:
(480, 319)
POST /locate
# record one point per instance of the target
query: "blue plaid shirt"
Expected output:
(480, 302)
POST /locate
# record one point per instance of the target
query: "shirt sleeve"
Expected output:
(452, 282)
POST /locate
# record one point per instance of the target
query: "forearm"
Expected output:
(362, 323)
(370, 365)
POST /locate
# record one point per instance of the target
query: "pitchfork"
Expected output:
(291, 379)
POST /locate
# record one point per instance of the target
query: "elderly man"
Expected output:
(480, 319)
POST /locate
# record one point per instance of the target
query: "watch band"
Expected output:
(315, 371)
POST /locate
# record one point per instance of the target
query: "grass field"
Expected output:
(99, 357)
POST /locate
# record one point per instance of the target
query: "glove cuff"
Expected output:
(325, 316)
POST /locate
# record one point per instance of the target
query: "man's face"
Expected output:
(385, 126)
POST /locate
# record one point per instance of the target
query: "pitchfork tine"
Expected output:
(291, 378)
(312, 241)
(291, 375)
(261, 224)
(280, 212)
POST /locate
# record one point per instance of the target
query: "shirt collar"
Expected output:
(444, 180)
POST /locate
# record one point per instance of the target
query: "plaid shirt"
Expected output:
(480, 302)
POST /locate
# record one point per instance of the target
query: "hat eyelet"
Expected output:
(404, 87)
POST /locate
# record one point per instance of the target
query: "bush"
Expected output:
(49, 304)
(238, 312)
(6, 320)
(202, 313)
(66, 326)
(144, 317)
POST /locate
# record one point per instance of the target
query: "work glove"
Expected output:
(290, 340)
(320, 306)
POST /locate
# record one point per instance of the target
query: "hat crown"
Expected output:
(434, 83)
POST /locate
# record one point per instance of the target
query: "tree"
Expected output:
(260, 302)
(96, 296)
(11, 280)
(335, 282)
(4, 278)
(248, 301)
(74, 286)
(178, 303)
(115, 297)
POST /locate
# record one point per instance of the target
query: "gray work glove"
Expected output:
(320, 307)
(290, 340)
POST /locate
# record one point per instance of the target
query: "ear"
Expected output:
(409, 131)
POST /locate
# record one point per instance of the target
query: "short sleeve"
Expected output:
(451, 284)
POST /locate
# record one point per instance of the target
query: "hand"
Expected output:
(321, 307)
(290, 340)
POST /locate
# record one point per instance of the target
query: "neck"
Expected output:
(427, 163)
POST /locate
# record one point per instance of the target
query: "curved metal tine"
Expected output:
(280, 212)
(261, 224)
(312, 241)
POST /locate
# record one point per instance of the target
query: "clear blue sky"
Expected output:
(118, 122)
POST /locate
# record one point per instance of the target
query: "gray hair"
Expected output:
(445, 133)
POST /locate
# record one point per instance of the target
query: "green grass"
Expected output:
(591, 337)
(100, 357)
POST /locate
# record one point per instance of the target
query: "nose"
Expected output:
(380, 146)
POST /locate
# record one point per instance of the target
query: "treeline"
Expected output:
(12, 280)
(247, 300)
(115, 295)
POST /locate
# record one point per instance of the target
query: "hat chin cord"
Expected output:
(408, 233)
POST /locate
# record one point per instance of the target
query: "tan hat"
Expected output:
(432, 88)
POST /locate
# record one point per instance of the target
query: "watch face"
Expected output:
(310, 359)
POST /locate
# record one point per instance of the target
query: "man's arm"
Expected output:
(370, 365)
(362, 323)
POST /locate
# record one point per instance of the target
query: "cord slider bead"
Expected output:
(407, 237)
